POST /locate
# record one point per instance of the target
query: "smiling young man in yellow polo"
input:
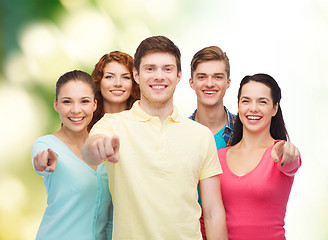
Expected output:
(156, 158)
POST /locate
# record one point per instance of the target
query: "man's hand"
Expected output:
(100, 147)
(45, 161)
(286, 151)
(107, 148)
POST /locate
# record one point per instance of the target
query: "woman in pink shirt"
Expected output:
(259, 168)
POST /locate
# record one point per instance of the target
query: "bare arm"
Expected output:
(213, 209)
(98, 148)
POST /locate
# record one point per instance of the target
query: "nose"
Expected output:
(159, 74)
(253, 106)
(209, 82)
(117, 82)
(76, 108)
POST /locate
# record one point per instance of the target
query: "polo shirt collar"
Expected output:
(143, 116)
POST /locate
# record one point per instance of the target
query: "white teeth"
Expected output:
(209, 92)
(117, 91)
(158, 86)
(76, 119)
(253, 118)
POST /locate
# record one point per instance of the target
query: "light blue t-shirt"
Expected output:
(79, 204)
(219, 140)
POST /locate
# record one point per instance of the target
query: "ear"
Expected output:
(179, 76)
(228, 83)
(55, 105)
(275, 109)
(136, 75)
(191, 83)
(95, 105)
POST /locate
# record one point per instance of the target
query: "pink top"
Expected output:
(255, 203)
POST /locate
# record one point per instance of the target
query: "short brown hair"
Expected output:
(157, 44)
(211, 53)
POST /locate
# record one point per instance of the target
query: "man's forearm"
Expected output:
(213, 209)
(215, 227)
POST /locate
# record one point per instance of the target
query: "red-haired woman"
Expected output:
(116, 89)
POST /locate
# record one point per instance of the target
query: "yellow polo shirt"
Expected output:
(154, 184)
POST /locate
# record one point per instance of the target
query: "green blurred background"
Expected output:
(40, 40)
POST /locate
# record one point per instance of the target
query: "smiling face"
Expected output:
(157, 79)
(116, 84)
(256, 108)
(75, 105)
(210, 82)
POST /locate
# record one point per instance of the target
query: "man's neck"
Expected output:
(160, 110)
(213, 117)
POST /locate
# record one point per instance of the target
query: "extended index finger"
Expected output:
(279, 146)
(277, 151)
(115, 143)
(40, 160)
(52, 160)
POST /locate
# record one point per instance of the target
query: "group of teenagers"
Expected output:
(125, 165)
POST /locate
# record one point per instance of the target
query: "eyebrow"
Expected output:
(149, 65)
(63, 98)
(264, 98)
(260, 98)
(221, 74)
(114, 73)
(154, 65)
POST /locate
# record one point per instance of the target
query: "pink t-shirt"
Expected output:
(255, 203)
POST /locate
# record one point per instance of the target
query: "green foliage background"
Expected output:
(40, 40)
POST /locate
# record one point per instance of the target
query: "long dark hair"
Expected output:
(277, 128)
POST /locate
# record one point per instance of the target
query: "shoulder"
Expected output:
(46, 139)
(111, 117)
(194, 126)
(44, 143)
(231, 116)
(197, 133)
(223, 151)
(111, 122)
